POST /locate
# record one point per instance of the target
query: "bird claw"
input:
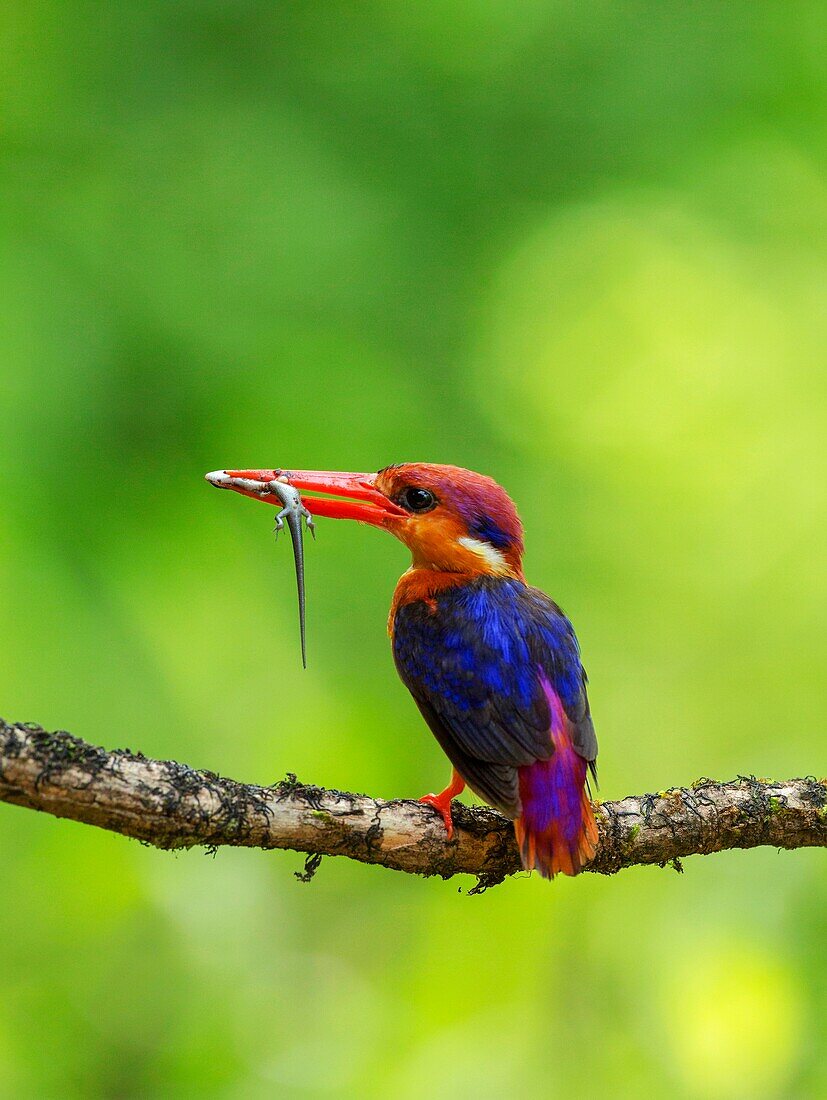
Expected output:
(443, 808)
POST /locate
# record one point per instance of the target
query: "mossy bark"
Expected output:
(170, 805)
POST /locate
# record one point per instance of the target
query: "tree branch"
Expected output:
(170, 805)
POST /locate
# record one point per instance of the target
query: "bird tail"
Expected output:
(557, 831)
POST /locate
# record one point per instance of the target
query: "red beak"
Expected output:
(354, 496)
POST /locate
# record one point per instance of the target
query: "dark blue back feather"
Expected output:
(474, 666)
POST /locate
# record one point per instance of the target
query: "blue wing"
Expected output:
(475, 665)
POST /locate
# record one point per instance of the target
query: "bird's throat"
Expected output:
(426, 585)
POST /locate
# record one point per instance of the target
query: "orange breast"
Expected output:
(425, 585)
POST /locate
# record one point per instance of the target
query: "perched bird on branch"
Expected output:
(492, 663)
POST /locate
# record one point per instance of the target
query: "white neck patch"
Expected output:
(489, 554)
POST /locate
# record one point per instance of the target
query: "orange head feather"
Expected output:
(454, 521)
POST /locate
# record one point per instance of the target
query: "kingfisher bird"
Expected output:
(492, 663)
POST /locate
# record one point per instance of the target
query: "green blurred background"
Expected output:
(581, 248)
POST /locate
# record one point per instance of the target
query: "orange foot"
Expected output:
(442, 801)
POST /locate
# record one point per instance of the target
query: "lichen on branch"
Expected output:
(170, 805)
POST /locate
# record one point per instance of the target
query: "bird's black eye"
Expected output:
(415, 499)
